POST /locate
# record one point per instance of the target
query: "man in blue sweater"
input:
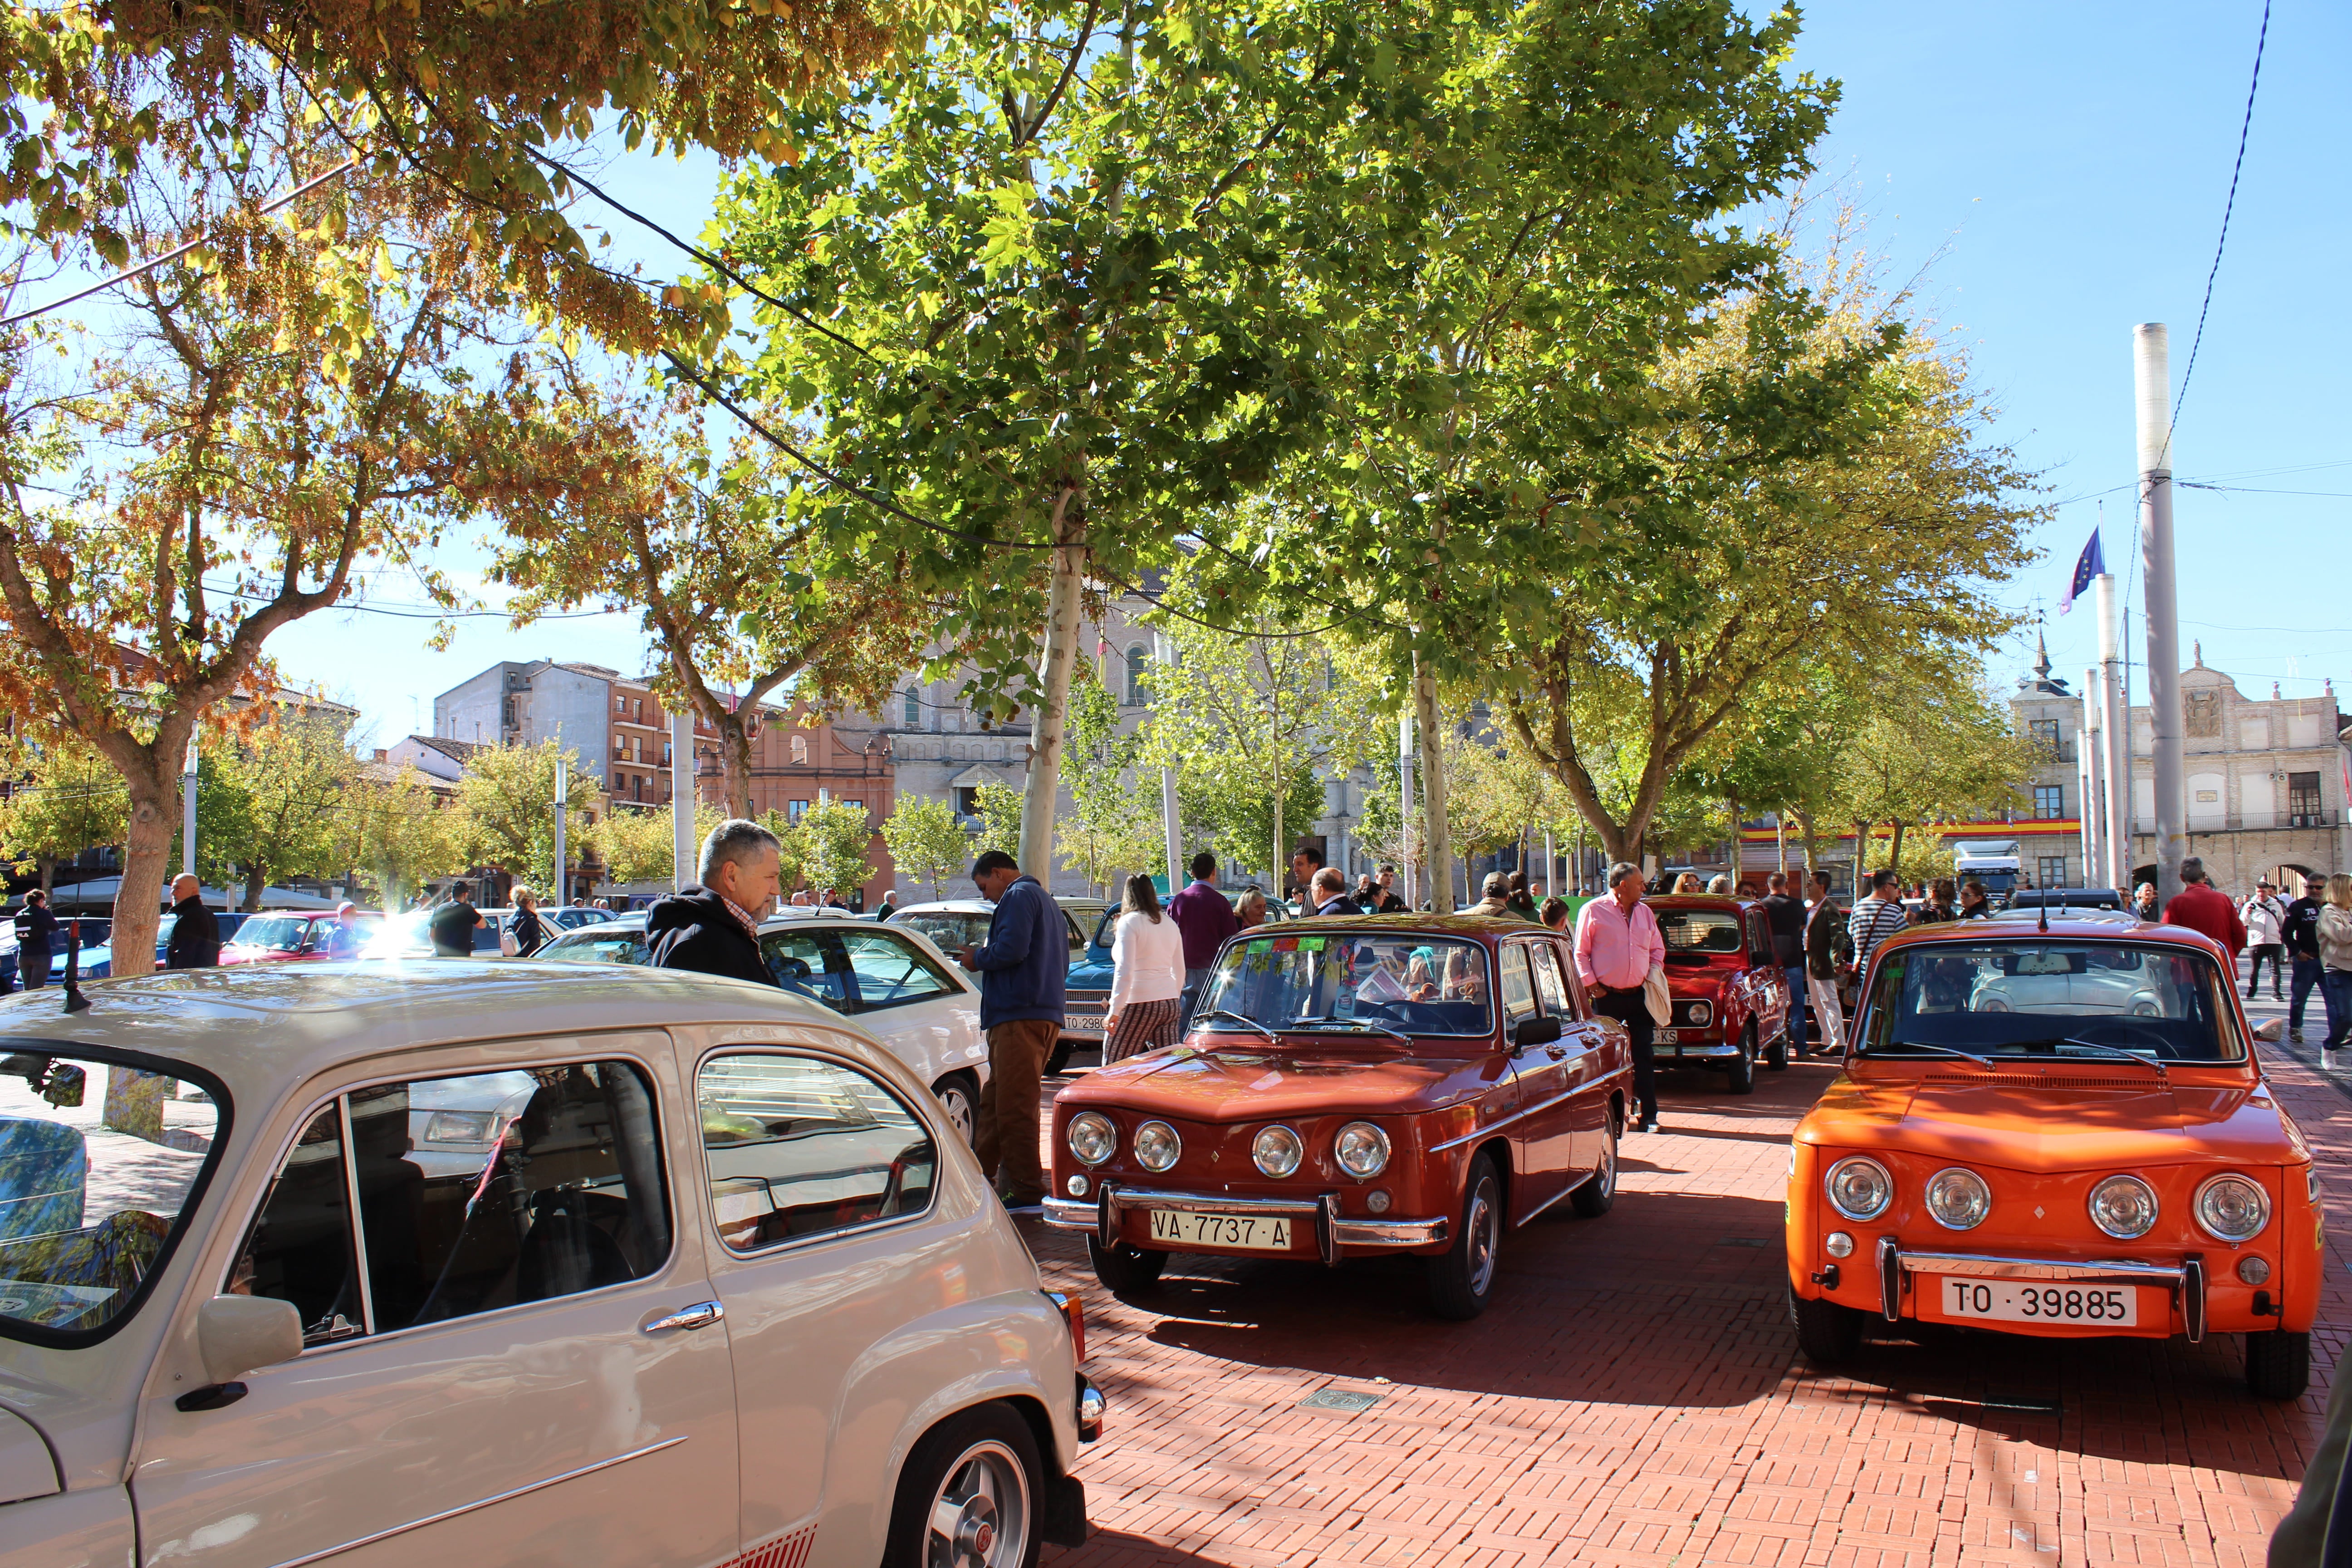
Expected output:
(1023, 967)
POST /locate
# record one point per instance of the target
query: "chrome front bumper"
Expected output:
(1106, 1213)
(2185, 1279)
(1698, 1050)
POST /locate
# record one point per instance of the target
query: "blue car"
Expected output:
(97, 959)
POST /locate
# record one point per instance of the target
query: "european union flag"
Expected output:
(2089, 566)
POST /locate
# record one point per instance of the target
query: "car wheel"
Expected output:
(970, 1495)
(1776, 1056)
(960, 1099)
(1462, 1278)
(1743, 1066)
(1123, 1268)
(2278, 1363)
(1063, 1051)
(1827, 1332)
(1598, 1193)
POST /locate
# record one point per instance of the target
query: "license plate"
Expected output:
(1664, 1036)
(1081, 1023)
(1245, 1233)
(2032, 1302)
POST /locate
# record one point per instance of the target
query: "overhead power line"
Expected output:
(2221, 243)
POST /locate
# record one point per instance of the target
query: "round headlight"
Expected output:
(2232, 1208)
(1361, 1149)
(1092, 1137)
(1959, 1199)
(1859, 1187)
(2254, 1270)
(1156, 1146)
(1276, 1150)
(2124, 1206)
(1838, 1244)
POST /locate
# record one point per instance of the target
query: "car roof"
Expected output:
(2088, 925)
(1490, 926)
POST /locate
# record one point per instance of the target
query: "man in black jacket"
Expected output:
(2300, 932)
(195, 934)
(36, 932)
(1784, 913)
(715, 928)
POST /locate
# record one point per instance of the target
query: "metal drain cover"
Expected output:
(1338, 1399)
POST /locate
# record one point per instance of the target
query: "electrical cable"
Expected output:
(2245, 128)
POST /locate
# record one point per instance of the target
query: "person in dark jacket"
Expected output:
(713, 928)
(1822, 928)
(2300, 932)
(1328, 893)
(195, 934)
(35, 934)
(1784, 913)
(454, 923)
(528, 931)
(1023, 967)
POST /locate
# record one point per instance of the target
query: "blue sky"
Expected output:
(2061, 170)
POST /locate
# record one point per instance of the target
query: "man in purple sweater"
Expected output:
(1205, 918)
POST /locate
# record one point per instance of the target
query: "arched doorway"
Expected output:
(2288, 878)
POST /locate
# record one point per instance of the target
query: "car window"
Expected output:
(1420, 984)
(1104, 927)
(599, 947)
(1519, 983)
(1760, 938)
(92, 1201)
(799, 1147)
(1698, 930)
(809, 964)
(1077, 937)
(890, 971)
(475, 1193)
(1551, 984)
(949, 930)
(2053, 998)
(274, 933)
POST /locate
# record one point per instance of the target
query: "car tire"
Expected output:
(1124, 1268)
(1063, 1051)
(1462, 1279)
(1597, 1195)
(959, 1096)
(1827, 1332)
(2278, 1363)
(1741, 1078)
(974, 1483)
(1776, 1056)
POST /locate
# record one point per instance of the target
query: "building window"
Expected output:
(2203, 716)
(2051, 871)
(914, 709)
(967, 801)
(800, 751)
(2044, 733)
(637, 707)
(2303, 807)
(858, 803)
(665, 753)
(795, 809)
(1139, 659)
(621, 706)
(2049, 801)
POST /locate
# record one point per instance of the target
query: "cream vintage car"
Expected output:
(722, 1287)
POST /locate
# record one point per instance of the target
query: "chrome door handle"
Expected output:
(701, 1315)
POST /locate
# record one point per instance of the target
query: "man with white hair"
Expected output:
(714, 926)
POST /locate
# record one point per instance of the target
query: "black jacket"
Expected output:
(195, 937)
(694, 929)
(1786, 917)
(2300, 930)
(36, 926)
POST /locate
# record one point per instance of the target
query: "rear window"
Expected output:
(1698, 930)
(598, 947)
(101, 1158)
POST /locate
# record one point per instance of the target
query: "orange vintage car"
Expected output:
(2056, 1129)
(1353, 1087)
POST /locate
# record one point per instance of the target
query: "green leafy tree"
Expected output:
(73, 801)
(1932, 748)
(999, 809)
(293, 775)
(928, 845)
(396, 835)
(835, 838)
(507, 800)
(640, 845)
(1114, 825)
(1236, 811)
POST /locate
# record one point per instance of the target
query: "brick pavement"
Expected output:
(1635, 1396)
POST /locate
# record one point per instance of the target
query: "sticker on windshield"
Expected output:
(1309, 943)
(1286, 944)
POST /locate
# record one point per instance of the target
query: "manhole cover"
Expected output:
(1339, 1399)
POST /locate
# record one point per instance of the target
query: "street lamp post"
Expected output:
(188, 809)
(2152, 389)
(562, 796)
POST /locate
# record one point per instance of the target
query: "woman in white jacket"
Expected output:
(1147, 986)
(2335, 965)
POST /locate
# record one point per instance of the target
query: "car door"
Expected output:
(1767, 988)
(816, 1170)
(1581, 1051)
(929, 1019)
(1542, 1130)
(503, 1358)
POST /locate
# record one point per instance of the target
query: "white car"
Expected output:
(244, 1326)
(895, 983)
(954, 924)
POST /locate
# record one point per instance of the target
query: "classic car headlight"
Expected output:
(1361, 1149)
(1859, 1187)
(1695, 1015)
(1156, 1146)
(1092, 1137)
(1993, 1005)
(1959, 1199)
(460, 1127)
(2232, 1208)
(2124, 1206)
(1276, 1150)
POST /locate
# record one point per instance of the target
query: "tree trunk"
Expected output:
(256, 883)
(1437, 845)
(1805, 826)
(154, 791)
(1895, 855)
(1731, 804)
(1057, 657)
(48, 874)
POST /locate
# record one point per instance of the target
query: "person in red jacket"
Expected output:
(2202, 907)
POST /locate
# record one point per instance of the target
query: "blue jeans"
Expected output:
(2336, 990)
(2306, 975)
(1193, 982)
(1795, 974)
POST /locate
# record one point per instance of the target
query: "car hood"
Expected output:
(2047, 1124)
(1301, 1077)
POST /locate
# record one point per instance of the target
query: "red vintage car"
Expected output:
(1731, 1000)
(1353, 1087)
(276, 936)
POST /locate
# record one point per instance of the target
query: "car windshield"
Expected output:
(273, 934)
(2041, 996)
(1698, 930)
(98, 1161)
(1401, 980)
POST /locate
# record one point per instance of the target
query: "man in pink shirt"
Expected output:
(1617, 943)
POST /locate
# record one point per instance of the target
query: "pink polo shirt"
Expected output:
(1614, 949)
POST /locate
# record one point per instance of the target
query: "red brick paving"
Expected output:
(1633, 1397)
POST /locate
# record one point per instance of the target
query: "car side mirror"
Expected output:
(238, 1334)
(2270, 1031)
(1533, 1032)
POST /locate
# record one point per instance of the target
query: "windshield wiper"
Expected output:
(1236, 1017)
(2101, 1045)
(1365, 1024)
(1939, 1050)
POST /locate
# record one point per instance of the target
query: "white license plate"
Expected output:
(1245, 1233)
(2032, 1301)
(1077, 1023)
(1664, 1036)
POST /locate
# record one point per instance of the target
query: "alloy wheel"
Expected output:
(980, 1516)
